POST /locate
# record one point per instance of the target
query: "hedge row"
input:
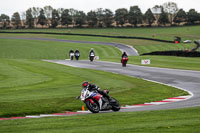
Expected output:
(175, 53)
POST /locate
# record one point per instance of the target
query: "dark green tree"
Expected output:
(108, 17)
(48, 11)
(35, 12)
(135, 16)
(121, 16)
(72, 13)
(16, 19)
(66, 18)
(5, 19)
(41, 18)
(181, 16)
(55, 18)
(92, 19)
(156, 9)
(60, 10)
(29, 18)
(149, 17)
(163, 19)
(193, 16)
(171, 8)
(100, 17)
(80, 18)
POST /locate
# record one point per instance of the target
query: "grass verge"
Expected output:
(35, 87)
(180, 120)
(187, 63)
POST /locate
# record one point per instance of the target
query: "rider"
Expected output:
(91, 54)
(124, 55)
(93, 87)
(71, 54)
(77, 54)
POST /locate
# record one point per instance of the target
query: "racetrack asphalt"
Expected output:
(183, 79)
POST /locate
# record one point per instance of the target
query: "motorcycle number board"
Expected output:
(146, 62)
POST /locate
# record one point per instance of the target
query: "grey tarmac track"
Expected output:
(182, 79)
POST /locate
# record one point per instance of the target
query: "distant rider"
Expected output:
(91, 54)
(124, 59)
(71, 54)
(124, 54)
(77, 54)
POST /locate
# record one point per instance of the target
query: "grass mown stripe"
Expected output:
(63, 83)
(92, 35)
(179, 120)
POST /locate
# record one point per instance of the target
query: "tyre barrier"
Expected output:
(175, 53)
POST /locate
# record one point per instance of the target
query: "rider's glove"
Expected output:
(97, 88)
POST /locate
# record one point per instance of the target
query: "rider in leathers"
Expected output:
(93, 87)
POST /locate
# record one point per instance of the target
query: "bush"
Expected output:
(175, 53)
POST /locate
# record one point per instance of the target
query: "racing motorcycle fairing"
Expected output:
(86, 95)
(95, 102)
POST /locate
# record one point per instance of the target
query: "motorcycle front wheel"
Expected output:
(94, 108)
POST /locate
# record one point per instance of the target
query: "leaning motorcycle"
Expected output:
(95, 102)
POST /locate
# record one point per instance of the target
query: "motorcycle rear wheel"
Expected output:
(115, 104)
(94, 108)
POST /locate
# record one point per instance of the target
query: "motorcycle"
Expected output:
(71, 55)
(92, 55)
(124, 61)
(91, 58)
(77, 56)
(95, 102)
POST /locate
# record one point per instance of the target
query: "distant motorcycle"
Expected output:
(77, 56)
(95, 102)
(71, 56)
(92, 55)
(124, 61)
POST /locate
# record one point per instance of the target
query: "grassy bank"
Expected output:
(179, 121)
(167, 33)
(142, 46)
(35, 87)
(164, 61)
(33, 49)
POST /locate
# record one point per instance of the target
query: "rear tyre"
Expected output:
(91, 58)
(94, 108)
(115, 104)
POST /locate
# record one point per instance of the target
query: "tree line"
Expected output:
(162, 15)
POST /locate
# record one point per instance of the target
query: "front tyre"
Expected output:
(94, 108)
(115, 104)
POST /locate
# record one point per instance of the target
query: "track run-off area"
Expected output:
(187, 80)
(182, 79)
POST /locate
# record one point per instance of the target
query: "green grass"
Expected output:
(164, 61)
(35, 87)
(31, 49)
(167, 33)
(143, 46)
(177, 121)
(30, 86)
